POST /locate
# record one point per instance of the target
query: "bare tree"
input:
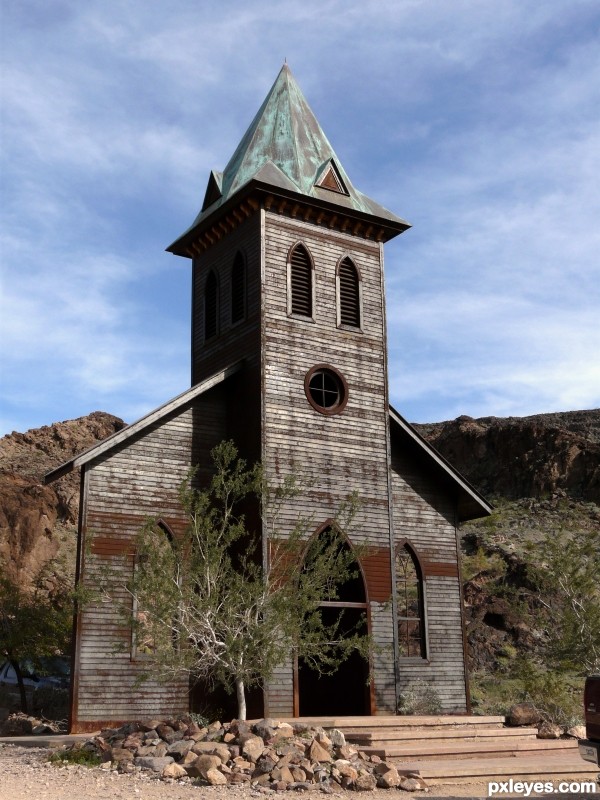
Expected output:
(209, 606)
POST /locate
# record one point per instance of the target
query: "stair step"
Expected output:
(376, 737)
(500, 749)
(378, 723)
(545, 767)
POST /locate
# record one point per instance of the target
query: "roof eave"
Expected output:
(128, 431)
(393, 226)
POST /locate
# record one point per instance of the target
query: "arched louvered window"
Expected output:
(301, 300)
(410, 603)
(211, 305)
(348, 294)
(238, 289)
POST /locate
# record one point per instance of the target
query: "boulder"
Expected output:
(365, 782)
(179, 749)
(336, 737)
(199, 767)
(215, 778)
(155, 764)
(212, 748)
(523, 714)
(389, 779)
(174, 771)
(253, 748)
(577, 732)
(317, 752)
(16, 725)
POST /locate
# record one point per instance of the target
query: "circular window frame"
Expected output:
(342, 389)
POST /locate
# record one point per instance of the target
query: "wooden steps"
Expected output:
(462, 749)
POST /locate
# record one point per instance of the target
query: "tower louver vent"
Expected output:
(349, 294)
(301, 279)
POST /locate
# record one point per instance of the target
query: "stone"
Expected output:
(336, 737)
(188, 758)
(576, 732)
(155, 764)
(16, 725)
(200, 767)
(118, 754)
(174, 771)
(365, 782)
(213, 748)
(265, 764)
(548, 730)
(523, 714)
(388, 779)
(40, 730)
(241, 763)
(239, 777)
(164, 730)
(323, 740)
(298, 774)
(253, 748)
(412, 784)
(282, 732)
(318, 753)
(161, 749)
(265, 728)
(346, 769)
(229, 737)
(179, 749)
(347, 751)
(215, 778)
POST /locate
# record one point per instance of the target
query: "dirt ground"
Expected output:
(25, 774)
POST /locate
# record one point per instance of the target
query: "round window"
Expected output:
(326, 389)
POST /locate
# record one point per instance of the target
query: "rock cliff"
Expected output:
(37, 522)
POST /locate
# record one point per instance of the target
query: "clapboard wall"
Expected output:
(132, 482)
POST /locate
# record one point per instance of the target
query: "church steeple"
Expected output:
(285, 149)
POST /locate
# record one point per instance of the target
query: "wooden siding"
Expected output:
(333, 454)
(138, 479)
(233, 340)
(424, 513)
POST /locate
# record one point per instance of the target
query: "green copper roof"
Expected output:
(286, 148)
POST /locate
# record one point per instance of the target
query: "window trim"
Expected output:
(338, 297)
(343, 387)
(294, 314)
(406, 544)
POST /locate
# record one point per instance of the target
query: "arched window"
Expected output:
(348, 284)
(300, 282)
(211, 306)
(238, 289)
(410, 603)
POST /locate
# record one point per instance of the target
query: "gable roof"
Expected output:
(136, 427)
(286, 148)
(471, 504)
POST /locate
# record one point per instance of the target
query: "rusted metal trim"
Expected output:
(79, 570)
(337, 409)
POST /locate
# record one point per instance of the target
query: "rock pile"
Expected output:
(23, 725)
(268, 753)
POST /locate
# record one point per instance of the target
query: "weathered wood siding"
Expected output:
(136, 480)
(337, 453)
(424, 514)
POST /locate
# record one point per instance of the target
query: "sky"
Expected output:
(478, 121)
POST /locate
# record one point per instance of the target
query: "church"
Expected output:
(289, 360)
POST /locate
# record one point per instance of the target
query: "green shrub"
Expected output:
(76, 755)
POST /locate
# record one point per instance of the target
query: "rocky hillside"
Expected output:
(542, 474)
(520, 457)
(37, 522)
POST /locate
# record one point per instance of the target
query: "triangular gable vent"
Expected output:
(213, 189)
(332, 180)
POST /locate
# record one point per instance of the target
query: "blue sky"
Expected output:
(476, 120)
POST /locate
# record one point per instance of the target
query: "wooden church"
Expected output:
(289, 359)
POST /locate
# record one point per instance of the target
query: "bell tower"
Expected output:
(288, 277)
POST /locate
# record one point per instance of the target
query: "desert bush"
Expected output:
(420, 698)
(558, 696)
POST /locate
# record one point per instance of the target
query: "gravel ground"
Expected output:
(25, 774)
